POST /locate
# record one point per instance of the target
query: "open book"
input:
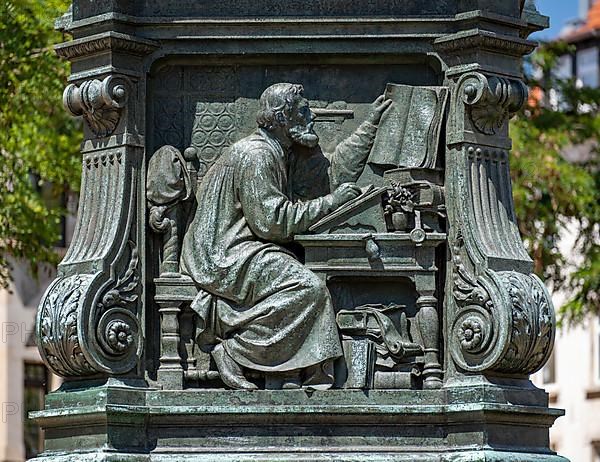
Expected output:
(409, 131)
(369, 193)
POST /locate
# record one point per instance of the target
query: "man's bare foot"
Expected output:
(230, 371)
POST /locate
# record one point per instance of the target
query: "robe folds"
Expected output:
(270, 312)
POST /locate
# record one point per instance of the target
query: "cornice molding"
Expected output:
(106, 41)
(486, 40)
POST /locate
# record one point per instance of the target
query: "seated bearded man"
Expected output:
(263, 308)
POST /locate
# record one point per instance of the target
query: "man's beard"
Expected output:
(304, 135)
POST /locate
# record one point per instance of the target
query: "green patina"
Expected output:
(326, 269)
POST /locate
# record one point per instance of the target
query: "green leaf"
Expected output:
(553, 188)
(39, 142)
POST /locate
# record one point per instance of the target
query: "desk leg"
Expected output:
(170, 370)
(428, 322)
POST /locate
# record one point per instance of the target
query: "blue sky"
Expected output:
(559, 12)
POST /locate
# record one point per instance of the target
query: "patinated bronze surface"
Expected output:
(271, 314)
(326, 269)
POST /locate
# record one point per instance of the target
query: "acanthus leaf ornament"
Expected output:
(68, 348)
(117, 328)
(533, 324)
(57, 325)
(478, 343)
(125, 288)
(475, 331)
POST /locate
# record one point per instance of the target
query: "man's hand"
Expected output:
(380, 105)
(344, 193)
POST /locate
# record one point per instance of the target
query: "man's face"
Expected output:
(300, 125)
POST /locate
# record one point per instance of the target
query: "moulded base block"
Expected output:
(479, 422)
(462, 456)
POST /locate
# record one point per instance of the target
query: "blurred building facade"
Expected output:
(572, 379)
(572, 376)
(24, 379)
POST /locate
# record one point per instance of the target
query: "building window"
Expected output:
(588, 69)
(35, 389)
(54, 196)
(549, 370)
(562, 71)
(564, 67)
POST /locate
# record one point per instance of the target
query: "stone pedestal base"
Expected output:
(481, 422)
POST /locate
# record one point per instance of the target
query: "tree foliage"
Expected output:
(555, 190)
(39, 142)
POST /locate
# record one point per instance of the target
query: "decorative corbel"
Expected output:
(499, 316)
(486, 104)
(85, 330)
(90, 318)
(99, 102)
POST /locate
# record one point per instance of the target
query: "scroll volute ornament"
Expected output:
(99, 102)
(78, 337)
(503, 321)
(479, 327)
(500, 316)
(491, 100)
(89, 319)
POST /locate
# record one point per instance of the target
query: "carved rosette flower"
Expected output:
(476, 331)
(470, 334)
(119, 336)
(474, 338)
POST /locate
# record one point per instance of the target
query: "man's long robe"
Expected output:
(279, 315)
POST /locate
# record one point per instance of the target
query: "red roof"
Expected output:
(593, 20)
(591, 28)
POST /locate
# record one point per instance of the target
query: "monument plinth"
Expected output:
(296, 237)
